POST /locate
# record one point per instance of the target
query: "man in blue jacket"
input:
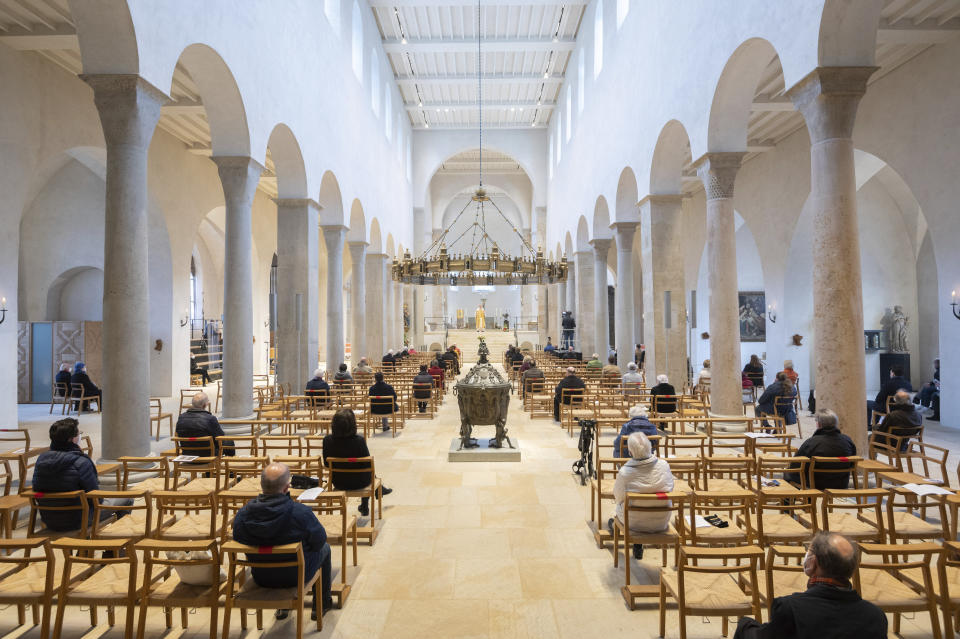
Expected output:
(638, 423)
(274, 519)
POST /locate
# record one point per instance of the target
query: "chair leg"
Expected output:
(111, 616)
(128, 631)
(35, 611)
(21, 614)
(226, 619)
(58, 622)
(663, 609)
(184, 621)
(214, 610)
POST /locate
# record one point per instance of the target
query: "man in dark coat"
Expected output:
(382, 389)
(829, 608)
(450, 361)
(318, 387)
(423, 377)
(89, 388)
(902, 420)
(896, 382)
(568, 326)
(198, 421)
(664, 387)
(827, 441)
(274, 519)
(63, 377)
(570, 381)
(389, 358)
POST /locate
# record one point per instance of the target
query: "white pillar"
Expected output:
(129, 108)
(601, 303)
(398, 313)
(358, 288)
(570, 303)
(624, 308)
(375, 308)
(828, 99)
(719, 172)
(661, 220)
(409, 332)
(297, 274)
(584, 314)
(333, 238)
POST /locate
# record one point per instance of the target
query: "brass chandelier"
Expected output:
(484, 263)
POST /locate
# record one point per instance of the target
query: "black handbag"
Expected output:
(302, 482)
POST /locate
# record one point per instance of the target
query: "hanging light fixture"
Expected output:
(483, 263)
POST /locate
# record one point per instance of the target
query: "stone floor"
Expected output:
(470, 549)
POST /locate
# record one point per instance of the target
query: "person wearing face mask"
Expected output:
(830, 608)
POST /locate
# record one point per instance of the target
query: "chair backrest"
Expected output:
(198, 446)
(70, 501)
(271, 445)
(241, 445)
(243, 467)
(689, 469)
(664, 403)
(157, 466)
(184, 502)
(735, 468)
(18, 438)
(679, 444)
(830, 469)
(643, 505)
(351, 466)
(382, 401)
(732, 504)
(309, 465)
(768, 465)
(242, 556)
(203, 553)
(572, 396)
(128, 501)
(84, 552)
(156, 408)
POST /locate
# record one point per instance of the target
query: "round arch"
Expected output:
(331, 202)
(376, 242)
(601, 219)
(627, 197)
(358, 223)
(583, 234)
(670, 155)
(734, 94)
(287, 162)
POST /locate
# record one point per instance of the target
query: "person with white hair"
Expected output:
(664, 387)
(631, 380)
(389, 358)
(318, 387)
(198, 421)
(594, 362)
(703, 377)
(638, 423)
(644, 473)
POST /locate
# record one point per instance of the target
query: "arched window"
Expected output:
(569, 112)
(331, 8)
(374, 82)
(598, 39)
(623, 8)
(388, 112)
(356, 45)
(581, 81)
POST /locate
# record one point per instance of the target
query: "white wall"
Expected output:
(82, 297)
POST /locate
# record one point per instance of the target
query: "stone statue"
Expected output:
(898, 330)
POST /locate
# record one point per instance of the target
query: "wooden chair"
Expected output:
(28, 579)
(829, 467)
(735, 506)
(243, 593)
(780, 517)
(61, 396)
(79, 399)
(601, 488)
(138, 522)
(694, 445)
(271, 445)
(902, 525)
(708, 590)
(168, 591)
(880, 582)
(431, 407)
(308, 465)
(206, 463)
(573, 406)
(689, 470)
(928, 454)
(538, 399)
(241, 445)
(363, 466)
(670, 505)
(75, 500)
(727, 472)
(159, 467)
(193, 514)
(113, 582)
(852, 514)
(946, 585)
(374, 419)
(331, 511)
(774, 468)
(784, 577)
(157, 416)
(243, 470)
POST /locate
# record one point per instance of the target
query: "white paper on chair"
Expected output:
(185, 458)
(758, 435)
(927, 489)
(310, 493)
(700, 522)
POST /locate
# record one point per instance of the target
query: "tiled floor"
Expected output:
(470, 549)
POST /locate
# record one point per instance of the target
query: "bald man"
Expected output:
(274, 519)
(198, 421)
(571, 382)
(829, 608)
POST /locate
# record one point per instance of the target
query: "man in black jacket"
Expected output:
(664, 387)
(830, 608)
(382, 389)
(197, 421)
(827, 441)
(570, 381)
(422, 394)
(451, 362)
(902, 420)
(274, 519)
(896, 382)
(389, 358)
(318, 387)
(568, 326)
(89, 388)
(63, 377)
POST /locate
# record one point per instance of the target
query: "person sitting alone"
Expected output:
(644, 473)
(570, 382)
(344, 442)
(197, 369)
(389, 358)
(436, 372)
(62, 380)
(902, 420)
(549, 347)
(895, 382)
(363, 368)
(703, 377)
(90, 390)
(65, 468)
(198, 421)
(638, 423)
(791, 374)
(274, 519)
(530, 376)
(318, 388)
(382, 389)
(423, 378)
(611, 371)
(342, 376)
(777, 399)
(754, 370)
(631, 380)
(669, 403)
(594, 362)
(826, 441)
(830, 608)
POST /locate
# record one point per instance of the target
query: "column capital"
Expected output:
(128, 105)
(356, 244)
(334, 228)
(601, 245)
(297, 202)
(626, 225)
(237, 163)
(828, 98)
(661, 198)
(718, 171)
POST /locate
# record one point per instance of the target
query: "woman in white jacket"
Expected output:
(644, 473)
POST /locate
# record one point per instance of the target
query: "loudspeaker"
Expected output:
(667, 315)
(693, 309)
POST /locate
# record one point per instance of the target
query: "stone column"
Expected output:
(625, 309)
(297, 273)
(661, 223)
(584, 313)
(561, 306)
(375, 310)
(129, 108)
(407, 296)
(358, 288)
(542, 296)
(333, 238)
(601, 305)
(398, 318)
(828, 99)
(719, 172)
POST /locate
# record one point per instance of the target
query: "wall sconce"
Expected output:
(186, 319)
(3, 310)
(953, 304)
(771, 314)
(266, 324)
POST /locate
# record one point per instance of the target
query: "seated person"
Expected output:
(451, 362)
(664, 387)
(594, 362)
(791, 374)
(549, 347)
(528, 376)
(89, 388)
(896, 382)
(65, 468)
(631, 380)
(929, 395)
(363, 368)
(830, 608)
(638, 423)
(389, 358)
(827, 441)
(196, 369)
(644, 473)
(745, 381)
(423, 377)
(317, 387)
(611, 370)
(754, 371)
(274, 519)
(343, 441)
(436, 372)
(198, 421)
(63, 377)
(773, 400)
(570, 381)
(902, 420)
(342, 376)
(703, 377)
(527, 363)
(382, 389)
